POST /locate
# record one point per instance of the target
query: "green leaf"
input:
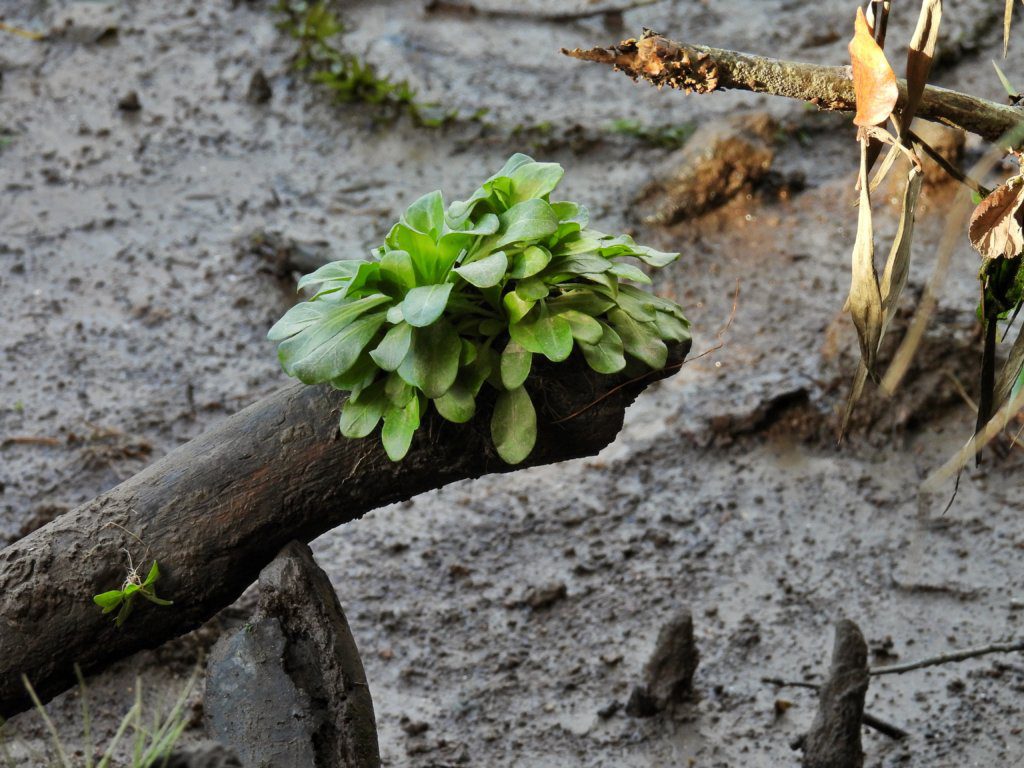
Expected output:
(485, 272)
(130, 590)
(640, 340)
(108, 601)
(584, 327)
(457, 405)
(433, 360)
(400, 424)
(625, 271)
(358, 419)
(326, 350)
(607, 355)
(530, 261)
(585, 301)
(154, 599)
(358, 376)
(657, 259)
(532, 288)
(398, 391)
(671, 327)
(544, 333)
(298, 318)
(514, 425)
(515, 365)
(426, 215)
(636, 304)
(393, 348)
(578, 264)
(516, 306)
(524, 222)
(154, 574)
(396, 269)
(124, 613)
(335, 274)
(422, 306)
(534, 180)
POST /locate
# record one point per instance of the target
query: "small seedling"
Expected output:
(133, 585)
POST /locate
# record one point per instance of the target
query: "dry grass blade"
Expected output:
(956, 220)
(894, 280)
(897, 267)
(1007, 20)
(1010, 373)
(994, 427)
(920, 56)
(865, 300)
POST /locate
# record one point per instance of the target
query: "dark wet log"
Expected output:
(834, 738)
(218, 509)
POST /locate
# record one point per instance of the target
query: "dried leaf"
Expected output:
(865, 300)
(894, 280)
(920, 55)
(996, 225)
(874, 82)
(897, 268)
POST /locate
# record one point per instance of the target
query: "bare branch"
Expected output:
(946, 658)
(700, 69)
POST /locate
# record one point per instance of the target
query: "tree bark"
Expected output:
(218, 509)
(700, 69)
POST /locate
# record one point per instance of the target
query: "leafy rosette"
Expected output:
(465, 297)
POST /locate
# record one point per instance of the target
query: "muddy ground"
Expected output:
(133, 312)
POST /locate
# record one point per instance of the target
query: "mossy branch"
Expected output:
(700, 69)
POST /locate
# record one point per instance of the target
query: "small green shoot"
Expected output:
(124, 598)
(349, 78)
(1012, 92)
(667, 136)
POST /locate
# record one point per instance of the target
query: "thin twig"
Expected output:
(701, 69)
(535, 13)
(946, 658)
(947, 166)
(871, 721)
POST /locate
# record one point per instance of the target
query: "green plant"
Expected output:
(667, 136)
(150, 747)
(133, 586)
(464, 297)
(349, 78)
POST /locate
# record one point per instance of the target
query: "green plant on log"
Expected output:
(463, 297)
(133, 587)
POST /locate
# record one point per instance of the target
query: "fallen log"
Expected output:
(217, 510)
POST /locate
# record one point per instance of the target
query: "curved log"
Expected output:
(218, 509)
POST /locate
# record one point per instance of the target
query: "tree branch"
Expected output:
(700, 69)
(215, 511)
(946, 658)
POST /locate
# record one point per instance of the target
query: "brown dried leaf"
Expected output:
(997, 224)
(920, 55)
(865, 300)
(874, 82)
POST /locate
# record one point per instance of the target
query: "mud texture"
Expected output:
(134, 311)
